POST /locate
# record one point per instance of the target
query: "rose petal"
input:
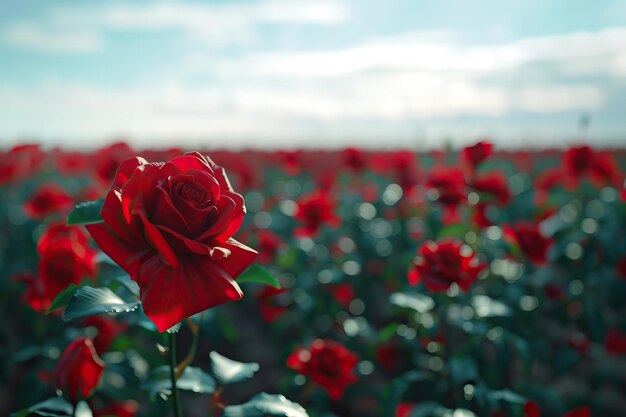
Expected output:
(128, 256)
(171, 294)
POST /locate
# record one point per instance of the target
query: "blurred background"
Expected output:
(329, 73)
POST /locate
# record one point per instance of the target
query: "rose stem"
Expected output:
(178, 412)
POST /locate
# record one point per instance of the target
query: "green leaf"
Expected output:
(418, 302)
(387, 332)
(508, 396)
(228, 371)
(263, 404)
(86, 213)
(52, 407)
(89, 301)
(63, 299)
(259, 275)
(193, 379)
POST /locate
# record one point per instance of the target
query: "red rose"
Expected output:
(481, 216)
(47, 199)
(107, 161)
(450, 190)
(578, 160)
(579, 412)
(269, 243)
(532, 242)
(495, 184)
(450, 185)
(78, 370)
(328, 364)
(405, 409)
(531, 409)
(439, 264)
(615, 342)
(621, 268)
(315, 210)
(273, 302)
(71, 164)
(477, 153)
(170, 226)
(354, 158)
(20, 162)
(65, 258)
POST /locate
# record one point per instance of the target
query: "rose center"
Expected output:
(192, 193)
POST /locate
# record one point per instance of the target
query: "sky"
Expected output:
(324, 73)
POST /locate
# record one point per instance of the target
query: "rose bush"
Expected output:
(170, 226)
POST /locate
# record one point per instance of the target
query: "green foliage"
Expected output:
(259, 275)
(263, 404)
(193, 379)
(89, 301)
(86, 213)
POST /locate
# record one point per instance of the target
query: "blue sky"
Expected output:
(275, 73)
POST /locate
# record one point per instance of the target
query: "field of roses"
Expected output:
(205, 283)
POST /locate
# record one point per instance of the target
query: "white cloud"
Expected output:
(554, 99)
(31, 36)
(84, 29)
(446, 52)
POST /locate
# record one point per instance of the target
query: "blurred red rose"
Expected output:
(579, 412)
(495, 185)
(615, 342)
(482, 216)
(78, 370)
(291, 161)
(315, 210)
(477, 153)
(65, 258)
(108, 159)
(389, 356)
(273, 302)
(269, 243)
(328, 364)
(71, 164)
(128, 408)
(342, 293)
(170, 226)
(604, 169)
(46, 200)
(354, 158)
(578, 160)
(20, 162)
(439, 264)
(404, 409)
(532, 242)
(621, 268)
(531, 409)
(450, 190)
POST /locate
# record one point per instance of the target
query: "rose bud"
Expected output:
(79, 370)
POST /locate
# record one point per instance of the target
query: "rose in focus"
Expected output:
(170, 226)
